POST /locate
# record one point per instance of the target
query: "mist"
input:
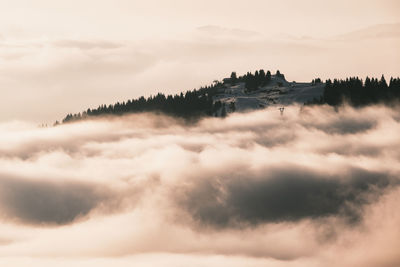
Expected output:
(312, 187)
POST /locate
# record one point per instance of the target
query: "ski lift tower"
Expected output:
(281, 109)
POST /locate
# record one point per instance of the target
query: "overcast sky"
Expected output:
(65, 56)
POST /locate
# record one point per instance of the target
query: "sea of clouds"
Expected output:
(314, 187)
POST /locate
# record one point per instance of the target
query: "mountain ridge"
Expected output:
(247, 92)
(251, 92)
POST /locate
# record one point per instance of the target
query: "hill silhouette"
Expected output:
(207, 100)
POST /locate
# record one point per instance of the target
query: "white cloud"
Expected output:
(255, 188)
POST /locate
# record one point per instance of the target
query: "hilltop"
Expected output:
(233, 94)
(277, 91)
(254, 91)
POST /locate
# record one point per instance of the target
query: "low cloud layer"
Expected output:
(47, 202)
(278, 195)
(314, 187)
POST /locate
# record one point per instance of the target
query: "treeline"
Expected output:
(358, 92)
(190, 105)
(197, 103)
(253, 81)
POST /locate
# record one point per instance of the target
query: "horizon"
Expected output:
(94, 106)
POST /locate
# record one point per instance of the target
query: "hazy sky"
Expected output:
(129, 19)
(65, 56)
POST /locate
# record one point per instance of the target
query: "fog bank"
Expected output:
(314, 187)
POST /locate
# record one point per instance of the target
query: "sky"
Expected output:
(59, 57)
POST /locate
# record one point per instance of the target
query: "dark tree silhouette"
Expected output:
(192, 104)
(259, 79)
(268, 76)
(279, 74)
(234, 78)
(198, 103)
(232, 106)
(223, 111)
(359, 93)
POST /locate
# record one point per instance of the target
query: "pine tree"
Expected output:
(223, 111)
(268, 77)
(233, 78)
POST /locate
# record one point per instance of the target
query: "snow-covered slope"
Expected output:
(278, 92)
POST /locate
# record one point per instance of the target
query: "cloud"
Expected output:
(296, 190)
(345, 125)
(379, 31)
(277, 195)
(47, 202)
(221, 32)
(87, 44)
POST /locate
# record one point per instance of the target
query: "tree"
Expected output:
(279, 74)
(382, 82)
(251, 82)
(232, 106)
(315, 81)
(233, 78)
(223, 111)
(358, 93)
(261, 78)
(268, 77)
